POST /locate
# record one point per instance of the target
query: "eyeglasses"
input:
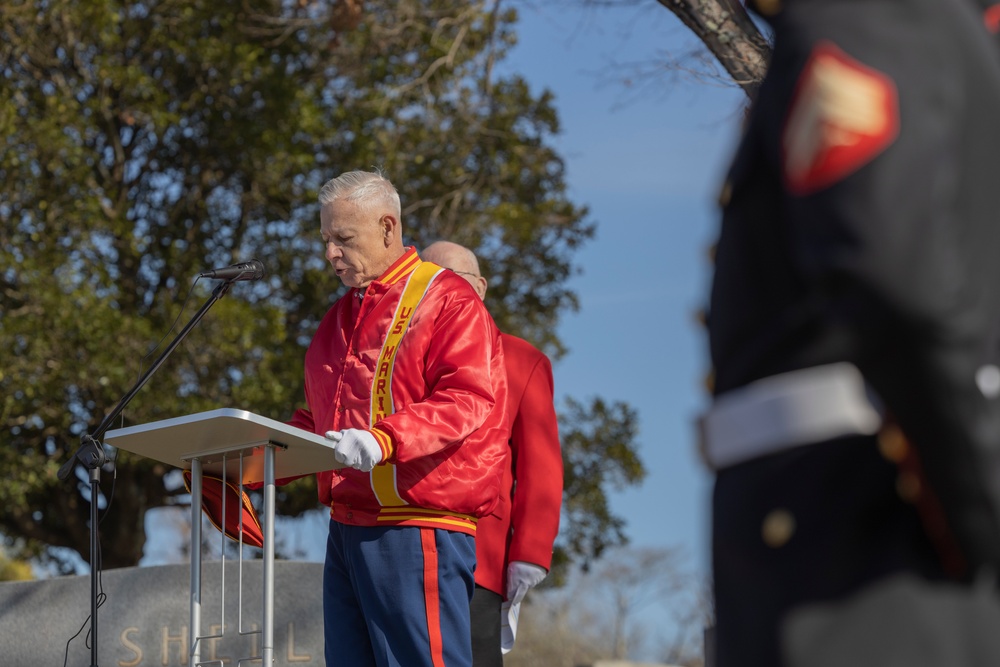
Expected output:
(464, 273)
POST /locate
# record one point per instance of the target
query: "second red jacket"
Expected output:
(525, 525)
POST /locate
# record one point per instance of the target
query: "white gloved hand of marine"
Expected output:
(355, 448)
(521, 577)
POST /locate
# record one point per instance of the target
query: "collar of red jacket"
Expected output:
(399, 270)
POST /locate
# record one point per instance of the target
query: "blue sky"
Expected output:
(649, 164)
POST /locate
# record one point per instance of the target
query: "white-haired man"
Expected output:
(405, 375)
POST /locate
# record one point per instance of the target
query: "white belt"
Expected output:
(788, 410)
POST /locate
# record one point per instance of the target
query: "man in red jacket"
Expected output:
(514, 543)
(405, 374)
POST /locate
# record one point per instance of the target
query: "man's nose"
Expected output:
(332, 252)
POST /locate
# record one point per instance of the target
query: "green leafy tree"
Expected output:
(141, 142)
(598, 446)
(14, 570)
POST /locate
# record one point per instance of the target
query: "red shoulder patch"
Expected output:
(843, 114)
(991, 17)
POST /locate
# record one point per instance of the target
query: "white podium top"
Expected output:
(222, 434)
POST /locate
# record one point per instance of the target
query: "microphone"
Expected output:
(252, 270)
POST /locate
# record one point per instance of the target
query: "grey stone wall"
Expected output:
(145, 620)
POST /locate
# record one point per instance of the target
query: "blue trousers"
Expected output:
(397, 597)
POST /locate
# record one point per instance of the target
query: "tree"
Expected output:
(14, 570)
(598, 445)
(729, 34)
(606, 613)
(143, 142)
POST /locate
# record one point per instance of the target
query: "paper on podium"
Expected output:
(222, 434)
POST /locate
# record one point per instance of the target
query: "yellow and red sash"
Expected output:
(383, 476)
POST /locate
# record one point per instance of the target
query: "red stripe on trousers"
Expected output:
(432, 601)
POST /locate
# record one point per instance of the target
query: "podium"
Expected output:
(240, 447)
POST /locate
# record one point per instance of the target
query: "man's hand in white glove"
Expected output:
(520, 577)
(356, 448)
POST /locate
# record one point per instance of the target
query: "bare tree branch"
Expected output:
(728, 32)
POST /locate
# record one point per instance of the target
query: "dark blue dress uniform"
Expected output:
(856, 507)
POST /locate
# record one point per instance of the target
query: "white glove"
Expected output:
(520, 577)
(356, 448)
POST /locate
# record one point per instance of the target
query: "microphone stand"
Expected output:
(91, 455)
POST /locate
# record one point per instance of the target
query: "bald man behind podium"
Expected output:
(514, 544)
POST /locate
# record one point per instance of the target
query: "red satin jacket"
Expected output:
(440, 396)
(525, 525)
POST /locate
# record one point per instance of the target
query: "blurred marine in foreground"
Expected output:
(855, 430)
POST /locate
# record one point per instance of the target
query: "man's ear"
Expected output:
(389, 225)
(481, 286)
